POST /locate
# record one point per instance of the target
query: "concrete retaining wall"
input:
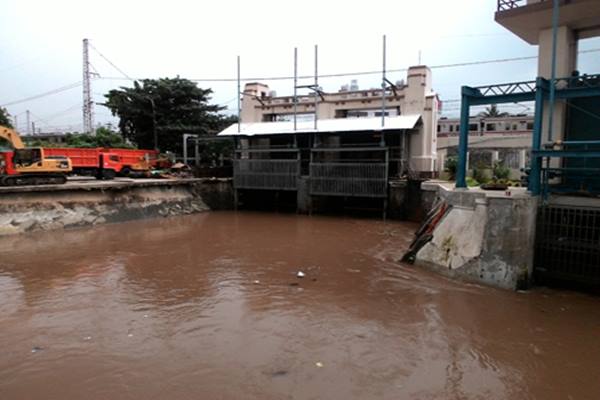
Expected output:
(78, 204)
(486, 237)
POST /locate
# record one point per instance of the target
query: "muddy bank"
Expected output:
(79, 204)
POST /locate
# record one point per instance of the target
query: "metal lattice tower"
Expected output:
(88, 104)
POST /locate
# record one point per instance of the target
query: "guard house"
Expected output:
(340, 157)
(345, 144)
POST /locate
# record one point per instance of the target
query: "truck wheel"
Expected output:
(126, 171)
(108, 174)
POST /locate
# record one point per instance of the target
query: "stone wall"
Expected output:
(72, 205)
(486, 237)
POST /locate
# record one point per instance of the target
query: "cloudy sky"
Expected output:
(40, 47)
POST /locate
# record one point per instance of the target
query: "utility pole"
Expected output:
(239, 93)
(16, 122)
(33, 128)
(88, 104)
(28, 122)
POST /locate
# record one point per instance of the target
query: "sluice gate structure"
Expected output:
(343, 158)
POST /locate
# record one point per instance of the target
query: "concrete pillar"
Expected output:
(566, 63)
(522, 158)
(419, 99)
(495, 156)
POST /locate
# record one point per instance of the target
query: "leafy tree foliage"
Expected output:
(493, 112)
(450, 166)
(104, 137)
(171, 106)
(5, 118)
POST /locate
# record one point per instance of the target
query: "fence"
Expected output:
(568, 244)
(336, 176)
(269, 174)
(504, 5)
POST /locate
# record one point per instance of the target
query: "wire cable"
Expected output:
(49, 93)
(110, 62)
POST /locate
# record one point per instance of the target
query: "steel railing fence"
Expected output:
(266, 174)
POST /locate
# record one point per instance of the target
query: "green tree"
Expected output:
(451, 166)
(5, 118)
(104, 137)
(493, 112)
(172, 107)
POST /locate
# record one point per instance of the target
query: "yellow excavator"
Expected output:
(27, 165)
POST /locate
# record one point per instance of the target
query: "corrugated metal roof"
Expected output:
(323, 126)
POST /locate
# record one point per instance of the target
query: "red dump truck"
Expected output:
(106, 163)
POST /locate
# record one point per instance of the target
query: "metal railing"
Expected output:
(505, 5)
(348, 179)
(266, 174)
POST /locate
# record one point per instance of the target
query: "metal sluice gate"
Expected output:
(568, 244)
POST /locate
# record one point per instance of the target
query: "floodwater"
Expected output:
(209, 307)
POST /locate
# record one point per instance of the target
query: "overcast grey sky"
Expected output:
(40, 46)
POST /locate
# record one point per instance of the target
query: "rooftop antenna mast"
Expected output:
(295, 86)
(88, 104)
(317, 91)
(239, 93)
(383, 86)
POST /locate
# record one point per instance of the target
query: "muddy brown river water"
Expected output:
(209, 307)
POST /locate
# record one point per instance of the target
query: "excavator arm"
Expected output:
(12, 137)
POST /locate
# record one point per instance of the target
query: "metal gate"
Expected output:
(338, 175)
(266, 172)
(568, 244)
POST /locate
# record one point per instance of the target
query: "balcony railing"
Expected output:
(505, 5)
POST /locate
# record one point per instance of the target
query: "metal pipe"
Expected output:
(383, 85)
(154, 123)
(295, 85)
(317, 93)
(463, 142)
(555, 11)
(239, 93)
(185, 155)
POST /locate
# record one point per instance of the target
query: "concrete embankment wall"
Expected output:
(485, 237)
(51, 207)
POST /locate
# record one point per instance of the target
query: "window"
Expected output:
(490, 127)
(439, 128)
(530, 126)
(451, 128)
(114, 158)
(473, 127)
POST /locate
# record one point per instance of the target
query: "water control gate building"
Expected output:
(341, 157)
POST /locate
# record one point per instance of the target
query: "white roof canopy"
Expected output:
(323, 126)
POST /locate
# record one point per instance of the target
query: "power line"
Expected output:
(344, 74)
(359, 73)
(110, 62)
(49, 93)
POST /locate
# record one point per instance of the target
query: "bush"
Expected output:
(479, 174)
(451, 166)
(471, 182)
(500, 171)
